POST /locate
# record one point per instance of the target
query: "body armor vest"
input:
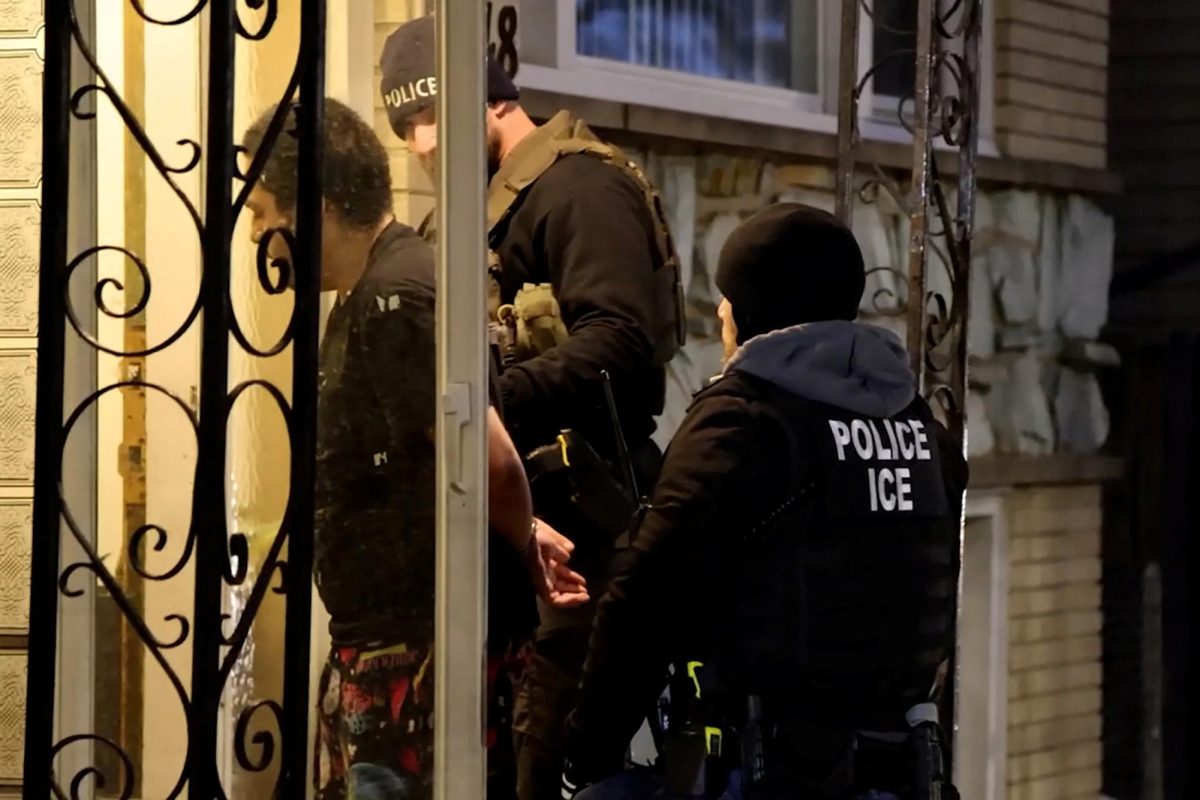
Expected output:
(532, 323)
(840, 609)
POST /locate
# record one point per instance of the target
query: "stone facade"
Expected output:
(1039, 282)
(1039, 292)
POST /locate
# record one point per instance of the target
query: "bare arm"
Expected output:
(510, 507)
(510, 514)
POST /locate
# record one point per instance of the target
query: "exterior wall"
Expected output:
(1054, 686)
(1150, 738)
(1041, 271)
(1155, 127)
(1051, 79)
(1155, 86)
(1039, 291)
(20, 222)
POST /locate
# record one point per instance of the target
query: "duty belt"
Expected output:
(700, 752)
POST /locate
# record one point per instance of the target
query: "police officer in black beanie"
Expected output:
(585, 292)
(409, 86)
(797, 565)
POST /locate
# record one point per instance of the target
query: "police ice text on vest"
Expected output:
(884, 440)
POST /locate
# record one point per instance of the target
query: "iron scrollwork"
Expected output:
(218, 556)
(942, 107)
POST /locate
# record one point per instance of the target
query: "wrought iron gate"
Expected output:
(217, 556)
(943, 105)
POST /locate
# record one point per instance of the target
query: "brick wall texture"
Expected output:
(1052, 80)
(1054, 690)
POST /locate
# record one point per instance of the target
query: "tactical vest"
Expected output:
(841, 605)
(532, 323)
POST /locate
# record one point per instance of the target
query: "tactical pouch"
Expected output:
(930, 781)
(569, 472)
(563, 136)
(695, 757)
(535, 320)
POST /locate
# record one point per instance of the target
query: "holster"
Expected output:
(930, 781)
(568, 479)
(574, 490)
(696, 758)
(814, 762)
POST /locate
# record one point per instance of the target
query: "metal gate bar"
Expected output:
(219, 555)
(48, 436)
(945, 105)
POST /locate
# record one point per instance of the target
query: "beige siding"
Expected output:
(20, 222)
(1052, 80)
(1054, 685)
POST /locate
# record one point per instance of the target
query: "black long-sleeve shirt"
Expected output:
(584, 228)
(374, 491)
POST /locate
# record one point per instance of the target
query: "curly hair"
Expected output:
(357, 180)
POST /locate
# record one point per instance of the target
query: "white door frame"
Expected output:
(76, 649)
(981, 676)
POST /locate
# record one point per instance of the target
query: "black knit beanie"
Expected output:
(408, 64)
(790, 264)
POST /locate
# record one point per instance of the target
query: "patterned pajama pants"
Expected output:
(375, 722)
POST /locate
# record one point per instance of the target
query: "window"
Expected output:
(773, 62)
(894, 47)
(761, 42)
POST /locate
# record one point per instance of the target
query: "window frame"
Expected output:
(553, 64)
(880, 119)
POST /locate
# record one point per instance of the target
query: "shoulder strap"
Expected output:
(582, 140)
(528, 162)
(564, 136)
(427, 230)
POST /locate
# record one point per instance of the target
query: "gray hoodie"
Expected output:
(851, 365)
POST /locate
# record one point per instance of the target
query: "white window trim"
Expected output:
(572, 74)
(660, 88)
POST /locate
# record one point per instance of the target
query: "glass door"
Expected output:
(251, 538)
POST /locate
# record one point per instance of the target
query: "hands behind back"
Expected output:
(546, 558)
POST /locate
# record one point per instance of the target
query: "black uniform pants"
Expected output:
(543, 703)
(551, 684)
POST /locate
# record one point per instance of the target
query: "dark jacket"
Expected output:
(585, 228)
(375, 491)
(375, 449)
(728, 470)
